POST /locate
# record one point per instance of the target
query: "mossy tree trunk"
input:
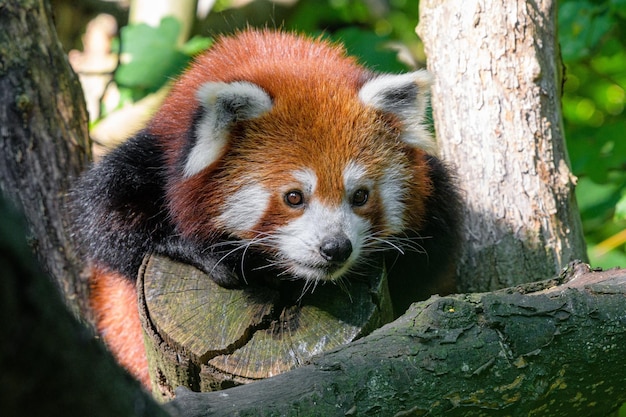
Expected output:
(497, 112)
(50, 364)
(43, 137)
(547, 349)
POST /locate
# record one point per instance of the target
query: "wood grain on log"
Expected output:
(205, 337)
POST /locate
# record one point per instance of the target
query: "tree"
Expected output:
(44, 138)
(513, 352)
(496, 105)
(51, 365)
(524, 351)
(522, 365)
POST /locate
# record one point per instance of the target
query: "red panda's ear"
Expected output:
(406, 96)
(222, 104)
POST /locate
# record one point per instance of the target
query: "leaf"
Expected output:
(150, 55)
(373, 51)
(618, 7)
(597, 152)
(581, 27)
(196, 45)
(620, 207)
(605, 260)
(594, 199)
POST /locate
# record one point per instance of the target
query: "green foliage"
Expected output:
(151, 56)
(371, 34)
(593, 45)
(358, 42)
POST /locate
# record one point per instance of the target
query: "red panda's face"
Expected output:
(317, 179)
(311, 233)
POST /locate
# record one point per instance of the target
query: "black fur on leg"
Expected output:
(415, 276)
(121, 214)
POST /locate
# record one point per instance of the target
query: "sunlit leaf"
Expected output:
(150, 56)
(196, 45)
(620, 207)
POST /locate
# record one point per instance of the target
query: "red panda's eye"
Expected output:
(294, 198)
(360, 197)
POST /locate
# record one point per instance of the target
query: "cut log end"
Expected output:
(205, 337)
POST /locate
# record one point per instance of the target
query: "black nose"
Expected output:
(336, 248)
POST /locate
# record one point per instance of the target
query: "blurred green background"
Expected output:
(593, 46)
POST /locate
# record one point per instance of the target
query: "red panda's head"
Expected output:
(294, 148)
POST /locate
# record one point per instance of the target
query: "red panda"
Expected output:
(273, 149)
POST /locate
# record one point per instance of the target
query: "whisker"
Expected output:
(238, 245)
(341, 283)
(388, 242)
(401, 244)
(307, 286)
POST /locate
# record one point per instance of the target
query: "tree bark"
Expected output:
(539, 349)
(496, 108)
(43, 137)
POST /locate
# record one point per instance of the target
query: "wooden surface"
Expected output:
(497, 113)
(206, 337)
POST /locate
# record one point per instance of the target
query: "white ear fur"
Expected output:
(223, 104)
(406, 96)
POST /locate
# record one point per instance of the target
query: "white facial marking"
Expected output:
(392, 193)
(355, 177)
(300, 240)
(244, 209)
(406, 96)
(223, 103)
(307, 179)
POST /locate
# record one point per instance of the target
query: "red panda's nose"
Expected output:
(336, 249)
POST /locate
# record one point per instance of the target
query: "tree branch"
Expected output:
(536, 349)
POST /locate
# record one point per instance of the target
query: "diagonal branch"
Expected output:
(537, 349)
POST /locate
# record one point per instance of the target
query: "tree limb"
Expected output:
(537, 349)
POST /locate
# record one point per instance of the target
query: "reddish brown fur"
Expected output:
(114, 300)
